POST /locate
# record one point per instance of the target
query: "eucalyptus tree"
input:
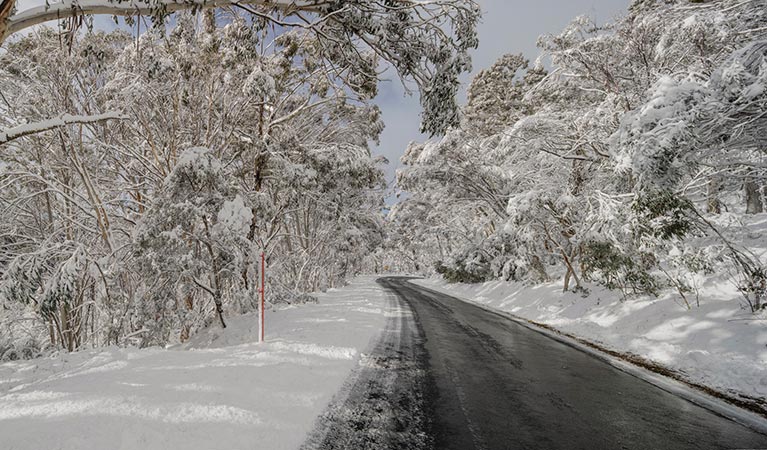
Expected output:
(606, 165)
(57, 198)
(427, 42)
(290, 142)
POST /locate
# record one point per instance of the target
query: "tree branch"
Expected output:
(71, 8)
(64, 119)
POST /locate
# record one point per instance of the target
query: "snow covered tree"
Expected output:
(496, 95)
(288, 141)
(193, 233)
(352, 38)
(599, 170)
(58, 205)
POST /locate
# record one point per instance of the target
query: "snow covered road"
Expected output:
(220, 391)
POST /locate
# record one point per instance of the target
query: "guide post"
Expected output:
(261, 303)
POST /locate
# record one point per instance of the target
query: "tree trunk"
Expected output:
(6, 6)
(570, 272)
(754, 203)
(219, 309)
(52, 332)
(215, 276)
(537, 265)
(713, 204)
(66, 332)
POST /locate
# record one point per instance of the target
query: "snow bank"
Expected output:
(719, 344)
(219, 391)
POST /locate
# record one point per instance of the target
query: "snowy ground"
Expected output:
(719, 344)
(221, 391)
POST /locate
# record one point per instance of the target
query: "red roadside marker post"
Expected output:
(261, 303)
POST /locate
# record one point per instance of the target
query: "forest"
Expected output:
(142, 174)
(629, 155)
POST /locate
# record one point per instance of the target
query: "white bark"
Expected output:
(64, 119)
(71, 8)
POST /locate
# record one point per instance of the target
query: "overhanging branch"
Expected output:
(71, 8)
(64, 119)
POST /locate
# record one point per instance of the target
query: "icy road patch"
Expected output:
(220, 391)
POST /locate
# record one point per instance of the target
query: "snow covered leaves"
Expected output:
(427, 43)
(234, 218)
(194, 236)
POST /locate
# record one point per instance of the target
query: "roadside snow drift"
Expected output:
(222, 390)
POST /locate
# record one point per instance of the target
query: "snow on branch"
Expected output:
(71, 8)
(45, 125)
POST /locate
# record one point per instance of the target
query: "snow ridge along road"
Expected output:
(382, 405)
(493, 383)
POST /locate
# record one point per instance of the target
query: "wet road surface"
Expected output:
(451, 375)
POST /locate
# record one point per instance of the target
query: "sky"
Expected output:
(508, 26)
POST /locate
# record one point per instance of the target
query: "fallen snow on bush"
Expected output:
(720, 344)
(221, 390)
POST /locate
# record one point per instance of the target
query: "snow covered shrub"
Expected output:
(664, 215)
(23, 277)
(472, 266)
(28, 348)
(629, 273)
(284, 296)
(458, 273)
(51, 291)
(753, 285)
(62, 288)
(684, 267)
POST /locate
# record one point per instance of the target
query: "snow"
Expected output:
(719, 344)
(198, 157)
(259, 84)
(221, 390)
(235, 217)
(44, 125)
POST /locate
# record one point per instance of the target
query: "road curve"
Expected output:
(486, 382)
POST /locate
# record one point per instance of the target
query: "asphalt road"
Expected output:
(461, 377)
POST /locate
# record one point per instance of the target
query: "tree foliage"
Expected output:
(233, 140)
(614, 165)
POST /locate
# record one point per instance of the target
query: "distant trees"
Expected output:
(605, 168)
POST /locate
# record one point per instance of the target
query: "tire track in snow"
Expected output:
(383, 403)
